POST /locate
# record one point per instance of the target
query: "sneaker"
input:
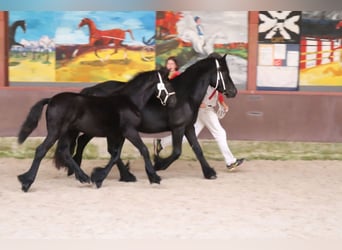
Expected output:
(157, 147)
(235, 164)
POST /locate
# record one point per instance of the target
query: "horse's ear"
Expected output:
(224, 57)
(215, 55)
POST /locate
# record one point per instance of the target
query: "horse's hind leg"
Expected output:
(125, 174)
(64, 148)
(82, 142)
(208, 172)
(28, 178)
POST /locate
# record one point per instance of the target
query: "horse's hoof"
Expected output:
(98, 184)
(213, 177)
(25, 184)
(70, 172)
(83, 178)
(97, 177)
(155, 179)
(25, 187)
(130, 178)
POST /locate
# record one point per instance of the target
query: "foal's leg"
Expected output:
(133, 136)
(64, 148)
(114, 148)
(82, 142)
(208, 172)
(28, 177)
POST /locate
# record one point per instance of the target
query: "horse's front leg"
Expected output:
(114, 145)
(208, 172)
(177, 139)
(133, 136)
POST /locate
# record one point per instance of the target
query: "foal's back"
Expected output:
(96, 116)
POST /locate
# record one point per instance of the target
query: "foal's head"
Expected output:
(224, 82)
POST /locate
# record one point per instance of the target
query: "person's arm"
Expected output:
(221, 101)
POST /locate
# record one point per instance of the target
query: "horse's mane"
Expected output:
(186, 81)
(138, 79)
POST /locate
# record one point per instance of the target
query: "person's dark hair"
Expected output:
(172, 58)
(196, 18)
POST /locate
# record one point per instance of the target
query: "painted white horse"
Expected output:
(203, 45)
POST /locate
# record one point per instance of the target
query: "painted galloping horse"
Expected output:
(12, 31)
(100, 38)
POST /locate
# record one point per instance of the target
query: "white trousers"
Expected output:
(207, 118)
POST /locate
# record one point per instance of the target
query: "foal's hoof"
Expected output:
(98, 184)
(154, 178)
(82, 177)
(70, 171)
(128, 178)
(97, 176)
(25, 184)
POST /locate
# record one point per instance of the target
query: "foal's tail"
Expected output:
(32, 120)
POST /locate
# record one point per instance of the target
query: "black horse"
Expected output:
(190, 87)
(115, 117)
(12, 30)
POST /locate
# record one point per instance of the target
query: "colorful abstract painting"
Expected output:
(321, 49)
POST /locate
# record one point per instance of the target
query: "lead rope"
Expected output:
(161, 87)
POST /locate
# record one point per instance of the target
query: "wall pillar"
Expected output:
(3, 48)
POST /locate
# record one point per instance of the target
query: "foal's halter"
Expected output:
(161, 87)
(218, 78)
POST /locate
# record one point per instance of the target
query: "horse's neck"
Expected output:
(92, 27)
(139, 93)
(15, 26)
(194, 89)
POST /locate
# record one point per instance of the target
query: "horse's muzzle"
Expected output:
(231, 93)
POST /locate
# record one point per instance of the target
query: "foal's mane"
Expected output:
(136, 82)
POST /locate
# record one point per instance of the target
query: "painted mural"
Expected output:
(97, 46)
(81, 46)
(305, 48)
(31, 46)
(321, 49)
(193, 35)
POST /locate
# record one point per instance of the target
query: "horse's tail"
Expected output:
(131, 33)
(58, 157)
(32, 120)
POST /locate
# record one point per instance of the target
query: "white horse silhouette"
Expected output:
(203, 45)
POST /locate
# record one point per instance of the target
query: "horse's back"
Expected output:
(104, 89)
